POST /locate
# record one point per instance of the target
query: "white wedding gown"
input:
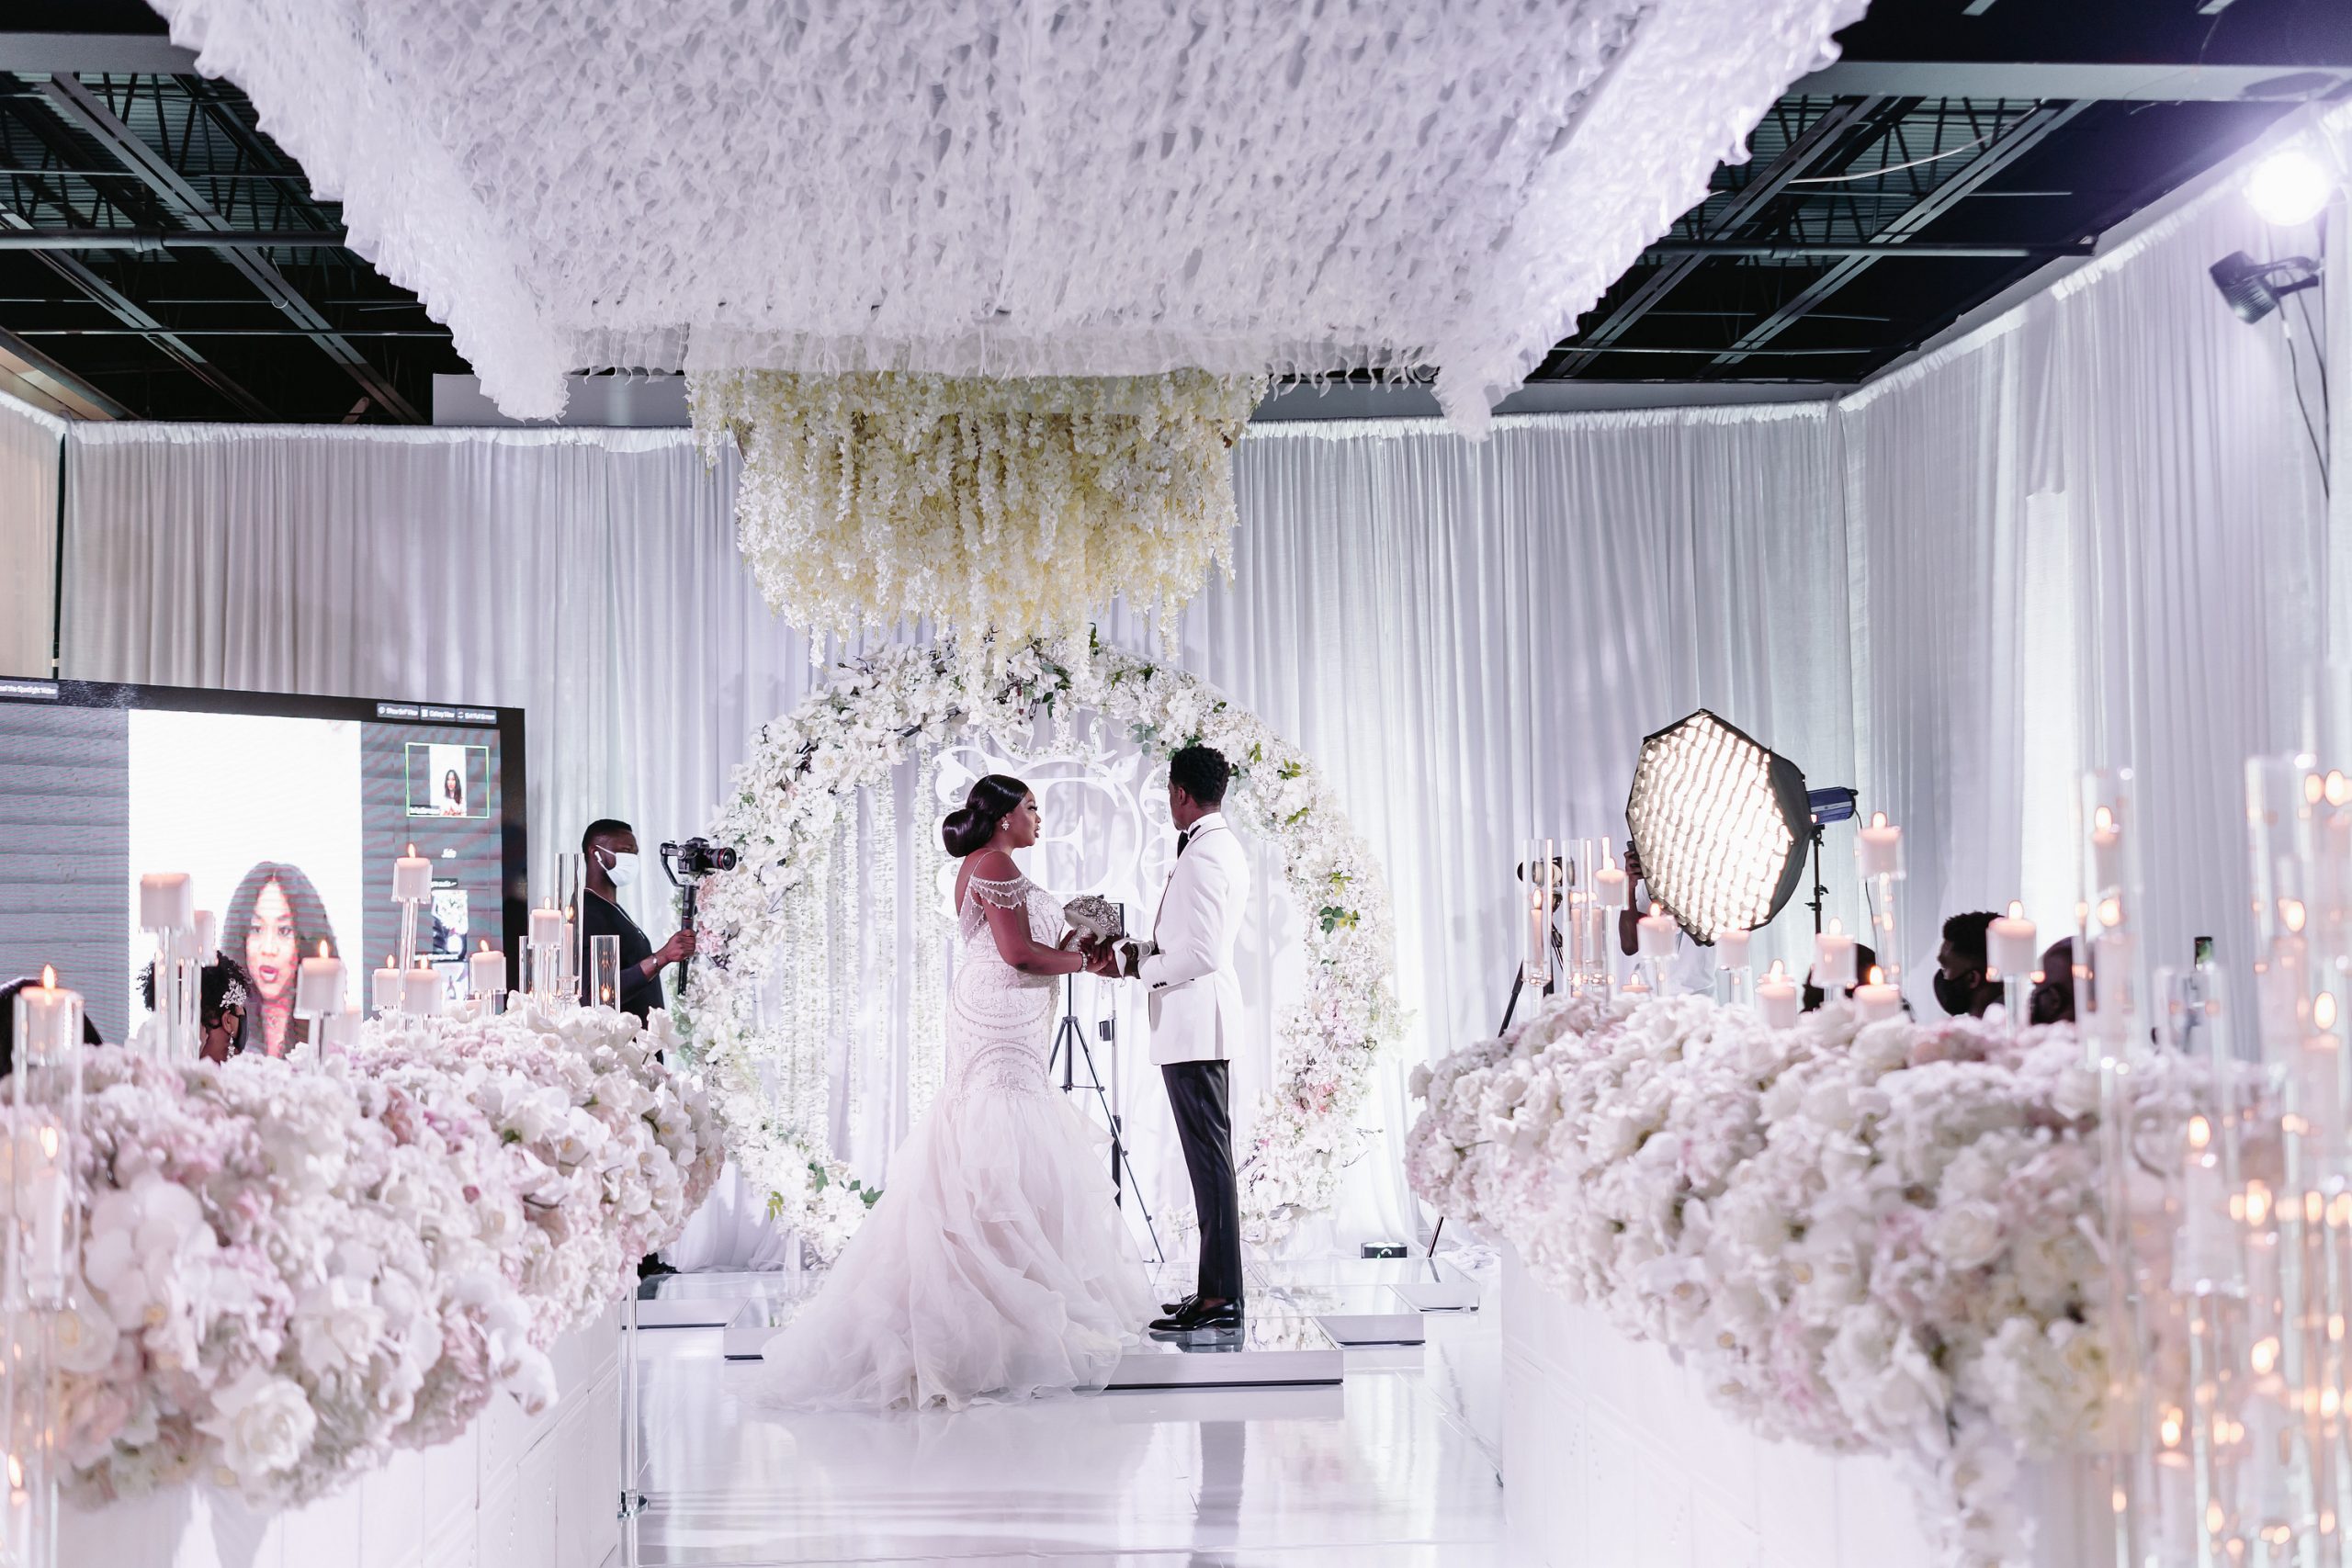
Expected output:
(995, 1266)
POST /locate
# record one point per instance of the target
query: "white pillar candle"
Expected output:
(52, 1020)
(1777, 998)
(1657, 932)
(318, 985)
(384, 988)
(204, 939)
(412, 878)
(1609, 884)
(421, 991)
(486, 972)
(2107, 851)
(2009, 942)
(1880, 847)
(1833, 958)
(166, 901)
(546, 928)
(1875, 1000)
(1635, 988)
(1731, 949)
(2322, 1099)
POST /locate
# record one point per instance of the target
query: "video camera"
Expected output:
(696, 858)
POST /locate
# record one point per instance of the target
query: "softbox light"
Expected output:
(1721, 824)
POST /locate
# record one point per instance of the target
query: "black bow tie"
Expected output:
(1181, 839)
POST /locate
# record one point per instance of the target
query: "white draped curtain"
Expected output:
(30, 444)
(2090, 534)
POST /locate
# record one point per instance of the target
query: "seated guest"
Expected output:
(225, 994)
(9, 1023)
(1865, 960)
(1962, 982)
(2052, 1000)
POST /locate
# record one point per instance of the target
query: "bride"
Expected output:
(995, 1268)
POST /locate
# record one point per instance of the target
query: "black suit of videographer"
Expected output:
(610, 848)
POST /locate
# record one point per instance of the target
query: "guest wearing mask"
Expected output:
(1963, 983)
(610, 849)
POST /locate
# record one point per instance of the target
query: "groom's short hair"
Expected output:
(1201, 772)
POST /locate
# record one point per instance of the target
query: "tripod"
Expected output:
(1519, 982)
(1070, 1044)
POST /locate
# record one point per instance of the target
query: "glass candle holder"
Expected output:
(604, 971)
(1538, 890)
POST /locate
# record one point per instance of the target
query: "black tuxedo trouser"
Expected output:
(1196, 1092)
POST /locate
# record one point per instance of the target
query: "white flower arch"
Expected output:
(769, 1080)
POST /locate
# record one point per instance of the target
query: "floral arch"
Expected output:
(800, 789)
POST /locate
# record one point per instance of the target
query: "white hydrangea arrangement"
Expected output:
(291, 1269)
(1869, 1238)
(1020, 507)
(769, 1078)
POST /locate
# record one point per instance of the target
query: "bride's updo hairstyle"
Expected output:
(995, 797)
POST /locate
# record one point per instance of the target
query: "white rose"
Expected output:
(1967, 1235)
(263, 1425)
(337, 1326)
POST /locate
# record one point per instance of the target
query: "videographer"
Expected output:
(610, 848)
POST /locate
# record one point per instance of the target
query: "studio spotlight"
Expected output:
(2289, 187)
(1721, 824)
(2254, 288)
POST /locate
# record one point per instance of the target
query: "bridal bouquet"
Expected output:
(1869, 1238)
(292, 1269)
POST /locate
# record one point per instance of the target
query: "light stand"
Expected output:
(1070, 1044)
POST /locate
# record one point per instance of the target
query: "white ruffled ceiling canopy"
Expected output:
(1009, 187)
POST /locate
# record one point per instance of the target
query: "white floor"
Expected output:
(1396, 1468)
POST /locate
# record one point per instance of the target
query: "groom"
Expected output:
(1196, 1019)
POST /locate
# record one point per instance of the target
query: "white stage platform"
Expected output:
(1303, 1315)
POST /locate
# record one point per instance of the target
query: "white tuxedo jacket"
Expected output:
(1188, 963)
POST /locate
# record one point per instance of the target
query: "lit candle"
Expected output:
(1880, 847)
(2210, 1239)
(2322, 1099)
(2107, 849)
(1731, 949)
(2008, 942)
(1833, 958)
(52, 1020)
(1777, 998)
(318, 986)
(1876, 999)
(546, 927)
(1657, 932)
(412, 878)
(1635, 988)
(384, 988)
(166, 901)
(486, 972)
(1609, 884)
(421, 990)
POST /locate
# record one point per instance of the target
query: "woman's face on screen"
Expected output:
(272, 949)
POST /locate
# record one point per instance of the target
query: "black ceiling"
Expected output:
(1958, 148)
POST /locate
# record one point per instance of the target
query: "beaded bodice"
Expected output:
(1000, 1021)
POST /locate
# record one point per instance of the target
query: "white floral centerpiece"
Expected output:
(1871, 1237)
(1017, 506)
(292, 1269)
(769, 1078)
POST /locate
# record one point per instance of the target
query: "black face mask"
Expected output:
(1955, 996)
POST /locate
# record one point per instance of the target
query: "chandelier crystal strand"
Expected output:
(887, 1000)
(928, 998)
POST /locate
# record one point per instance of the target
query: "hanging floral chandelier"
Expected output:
(1019, 507)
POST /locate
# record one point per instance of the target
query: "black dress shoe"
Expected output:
(1195, 1318)
(1172, 1308)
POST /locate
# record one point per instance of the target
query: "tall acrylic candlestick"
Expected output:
(1733, 958)
(1539, 891)
(2010, 948)
(412, 888)
(546, 947)
(167, 910)
(1610, 895)
(1878, 850)
(571, 877)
